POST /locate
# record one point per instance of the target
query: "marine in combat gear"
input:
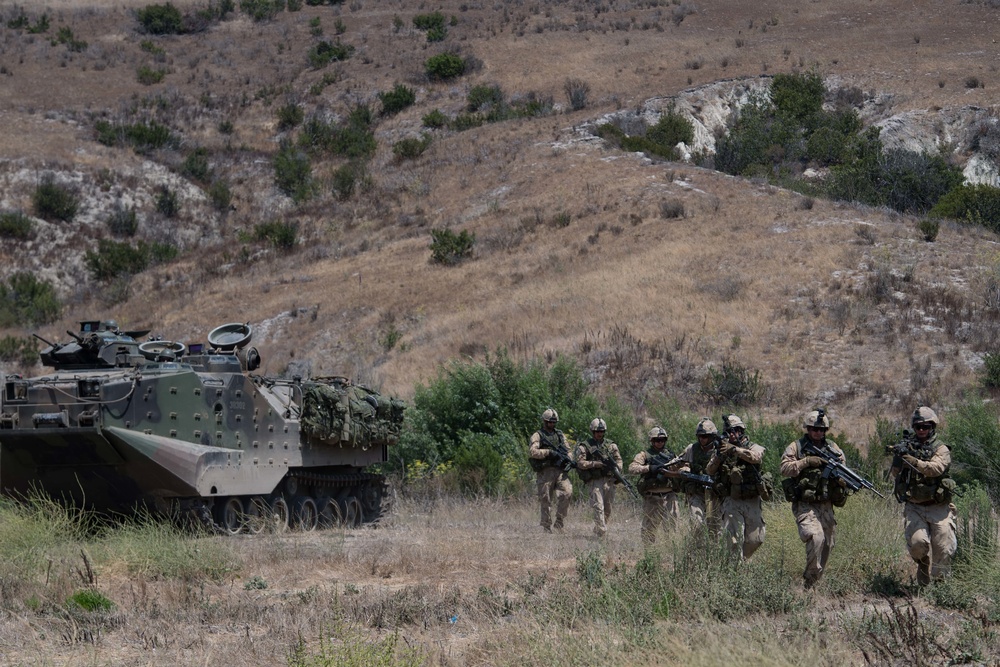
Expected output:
(920, 468)
(547, 454)
(659, 491)
(702, 500)
(813, 496)
(594, 460)
(736, 467)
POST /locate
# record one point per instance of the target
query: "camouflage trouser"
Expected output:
(930, 538)
(817, 526)
(601, 492)
(553, 482)
(744, 521)
(656, 509)
(705, 509)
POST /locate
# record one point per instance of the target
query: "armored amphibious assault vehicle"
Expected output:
(191, 431)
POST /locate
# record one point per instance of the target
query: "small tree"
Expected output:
(397, 99)
(162, 19)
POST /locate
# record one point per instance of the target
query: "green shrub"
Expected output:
(53, 201)
(167, 203)
(976, 204)
(149, 76)
(929, 228)
(281, 235)
(444, 66)
(449, 248)
(345, 179)
(411, 147)
(289, 115)
(397, 99)
(434, 24)
(435, 119)
(325, 52)
(16, 225)
(798, 96)
(478, 465)
(219, 193)
(162, 19)
(18, 349)
(140, 136)
(972, 430)
(65, 36)
(485, 97)
(293, 173)
(26, 300)
(261, 10)
(122, 221)
(114, 259)
(991, 370)
(354, 138)
(40, 26)
(196, 166)
(671, 129)
(89, 599)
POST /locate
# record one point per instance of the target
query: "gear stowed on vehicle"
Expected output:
(192, 431)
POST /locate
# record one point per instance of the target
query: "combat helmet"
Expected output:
(657, 433)
(598, 424)
(922, 415)
(550, 415)
(817, 419)
(706, 427)
(732, 422)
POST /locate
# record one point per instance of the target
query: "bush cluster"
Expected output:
(444, 66)
(433, 24)
(411, 147)
(977, 204)
(478, 417)
(16, 225)
(114, 259)
(293, 172)
(281, 235)
(19, 349)
(26, 300)
(53, 201)
(449, 248)
(325, 52)
(397, 99)
(141, 136)
(165, 19)
(661, 139)
(353, 138)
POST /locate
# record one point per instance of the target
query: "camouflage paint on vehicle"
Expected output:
(122, 424)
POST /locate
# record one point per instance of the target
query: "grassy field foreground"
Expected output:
(448, 581)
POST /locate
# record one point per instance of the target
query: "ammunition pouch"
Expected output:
(811, 487)
(588, 474)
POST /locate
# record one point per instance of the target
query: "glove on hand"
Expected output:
(814, 462)
(912, 460)
(725, 447)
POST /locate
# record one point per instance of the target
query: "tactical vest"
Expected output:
(699, 462)
(739, 480)
(592, 452)
(811, 487)
(913, 487)
(546, 441)
(650, 483)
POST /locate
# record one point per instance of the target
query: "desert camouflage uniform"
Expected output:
(659, 498)
(702, 501)
(742, 513)
(600, 483)
(815, 520)
(929, 526)
(551, 481)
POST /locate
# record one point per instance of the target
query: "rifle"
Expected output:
(837, 470)
(903, 447)
(612, 466)
(562, 457)
(665, 459)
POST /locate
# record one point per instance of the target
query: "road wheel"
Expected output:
(329, 513)
(257, 512)
(279, 514)
(305, 514)
(229, 515)
(350, 509)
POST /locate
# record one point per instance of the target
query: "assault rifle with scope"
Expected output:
(833, 468)
(612, 467)
(563, 460)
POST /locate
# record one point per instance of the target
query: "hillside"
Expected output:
(648, 271)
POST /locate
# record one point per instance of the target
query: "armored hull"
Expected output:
(122, 424)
